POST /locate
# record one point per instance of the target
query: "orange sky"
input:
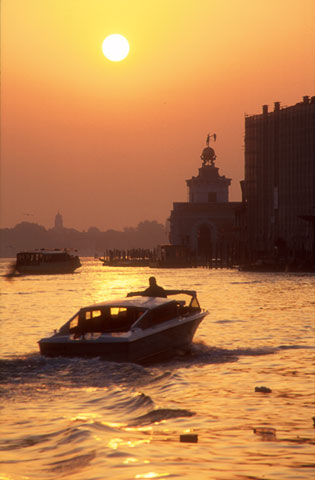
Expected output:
(110, 144)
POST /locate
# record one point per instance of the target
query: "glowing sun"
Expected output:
(115, 47)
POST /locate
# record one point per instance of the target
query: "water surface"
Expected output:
(91, 419)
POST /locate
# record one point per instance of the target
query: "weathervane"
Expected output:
(213, 135)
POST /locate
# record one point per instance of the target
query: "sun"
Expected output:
(115, 47)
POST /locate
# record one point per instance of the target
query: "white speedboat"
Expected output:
(139, 329)
(46, 262)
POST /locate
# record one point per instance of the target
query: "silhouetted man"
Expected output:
(154, 290)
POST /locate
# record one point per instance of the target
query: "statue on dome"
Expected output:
(208, 155)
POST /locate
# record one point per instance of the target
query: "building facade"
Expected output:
(279, 185)
(205, 223)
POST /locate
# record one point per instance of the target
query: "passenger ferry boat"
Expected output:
(46, 262)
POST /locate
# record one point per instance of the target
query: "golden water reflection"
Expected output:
(259, 333)
(115, 443)
(132, 460)
(152, 475)
(87, 418)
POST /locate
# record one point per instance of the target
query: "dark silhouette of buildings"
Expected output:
(31, 236)
(278, 214)
(205, 224)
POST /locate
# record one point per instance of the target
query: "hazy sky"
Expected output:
(110, 144)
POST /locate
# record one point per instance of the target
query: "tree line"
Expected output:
(30, 236)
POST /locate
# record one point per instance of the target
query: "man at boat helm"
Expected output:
(154, 290)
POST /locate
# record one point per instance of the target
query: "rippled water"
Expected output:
(93, 420)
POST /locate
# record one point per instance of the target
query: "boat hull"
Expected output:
(46, 269)
(140, 347)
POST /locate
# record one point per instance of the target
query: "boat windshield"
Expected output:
(183, 296)
(102, 320)
(194, 303)
(169, 311)
(159, 315)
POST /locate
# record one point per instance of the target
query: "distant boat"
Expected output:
(46, 262)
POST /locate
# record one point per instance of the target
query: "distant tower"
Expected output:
(208, 186)
(58, 222)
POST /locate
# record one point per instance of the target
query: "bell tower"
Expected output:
(209, 186)
(58, 221)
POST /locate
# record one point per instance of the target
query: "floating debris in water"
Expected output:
(263, 389)
(189, 438)
(267, 433)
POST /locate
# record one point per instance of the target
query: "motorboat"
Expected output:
(138, 329)
(46, 262)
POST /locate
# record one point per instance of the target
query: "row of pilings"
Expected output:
(223, 256)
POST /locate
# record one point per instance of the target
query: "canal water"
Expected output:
(93, 420)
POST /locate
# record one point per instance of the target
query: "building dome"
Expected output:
(208, 155)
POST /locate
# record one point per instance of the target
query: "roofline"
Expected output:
(43, 251)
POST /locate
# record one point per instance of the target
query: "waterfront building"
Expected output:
(279, 190)
(205, 223)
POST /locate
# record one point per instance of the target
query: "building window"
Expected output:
(212, 196)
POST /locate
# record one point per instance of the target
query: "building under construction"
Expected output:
(278, 217)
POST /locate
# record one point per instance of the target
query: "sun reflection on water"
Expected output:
(115, 443)
(152, 475)
(87, 418)
(139, 429)
(105, 287)
(129, 460)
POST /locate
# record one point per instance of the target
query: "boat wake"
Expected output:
(157, 416)
(202, 354)
(61, 372)
(34, 374)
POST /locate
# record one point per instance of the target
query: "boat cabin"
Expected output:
(144, 312)
(36, 257)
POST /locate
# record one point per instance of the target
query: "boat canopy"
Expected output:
(37, 256)
(123, 314)
(144, 302)
(147, 303)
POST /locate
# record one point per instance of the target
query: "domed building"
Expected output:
(206, 222)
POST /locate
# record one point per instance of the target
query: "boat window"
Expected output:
(159, 315)
(194, 303)
(117, 310)
(104, 320)
(74, 322)
(93, 314)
